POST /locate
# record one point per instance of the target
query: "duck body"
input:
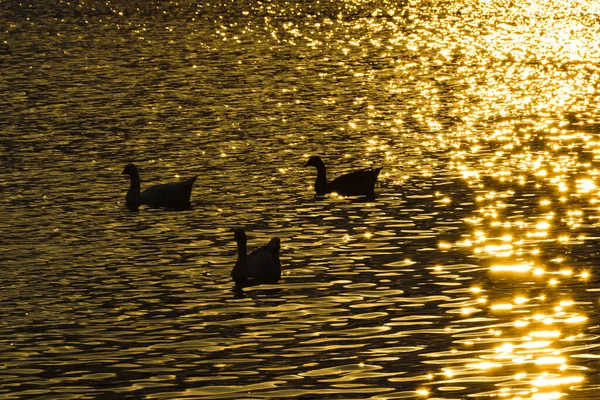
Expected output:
(260, 266)
(357, 183)
(173, 194)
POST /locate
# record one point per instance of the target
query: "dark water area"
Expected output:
(472, 274)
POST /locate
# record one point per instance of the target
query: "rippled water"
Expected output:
(472, 274)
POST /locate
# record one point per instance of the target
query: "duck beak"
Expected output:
(125, 172)
(307, 165)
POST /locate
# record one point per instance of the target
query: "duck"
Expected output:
(357, 183)
(260, 266)
(173, 194)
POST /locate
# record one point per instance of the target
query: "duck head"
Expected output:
(314, 161)
(130, 169)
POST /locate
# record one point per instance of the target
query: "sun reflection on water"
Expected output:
(516, 250)
(534, 194)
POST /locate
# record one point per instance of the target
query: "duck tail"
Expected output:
(191, 181)
(274, 246)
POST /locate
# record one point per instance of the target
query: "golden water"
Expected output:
(472, 275)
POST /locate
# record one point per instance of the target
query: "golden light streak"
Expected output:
(585, 185)
(544, 334)
(547, 396)
(511, 268)
(585, 275)
(545, 382)
(518, 360)
(484, 365)
(576, 319)
(502, 307)
(542, 225)
(550, 360)
(521, 323)
(538, 344)
(520, 300)
(506, 348)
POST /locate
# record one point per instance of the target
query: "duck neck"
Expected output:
(241, 265)
(133, 195)
(321, 182)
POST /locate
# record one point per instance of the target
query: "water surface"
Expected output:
(472, 273)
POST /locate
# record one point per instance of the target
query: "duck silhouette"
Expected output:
(357, 183)
(173, 194)
(260, 266)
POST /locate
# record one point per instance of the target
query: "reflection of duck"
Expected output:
(261, 266)
(174, 194)
(357, 183)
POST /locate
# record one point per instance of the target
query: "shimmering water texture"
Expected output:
(472, 274)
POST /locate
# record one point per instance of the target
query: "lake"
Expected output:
(472, 274)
